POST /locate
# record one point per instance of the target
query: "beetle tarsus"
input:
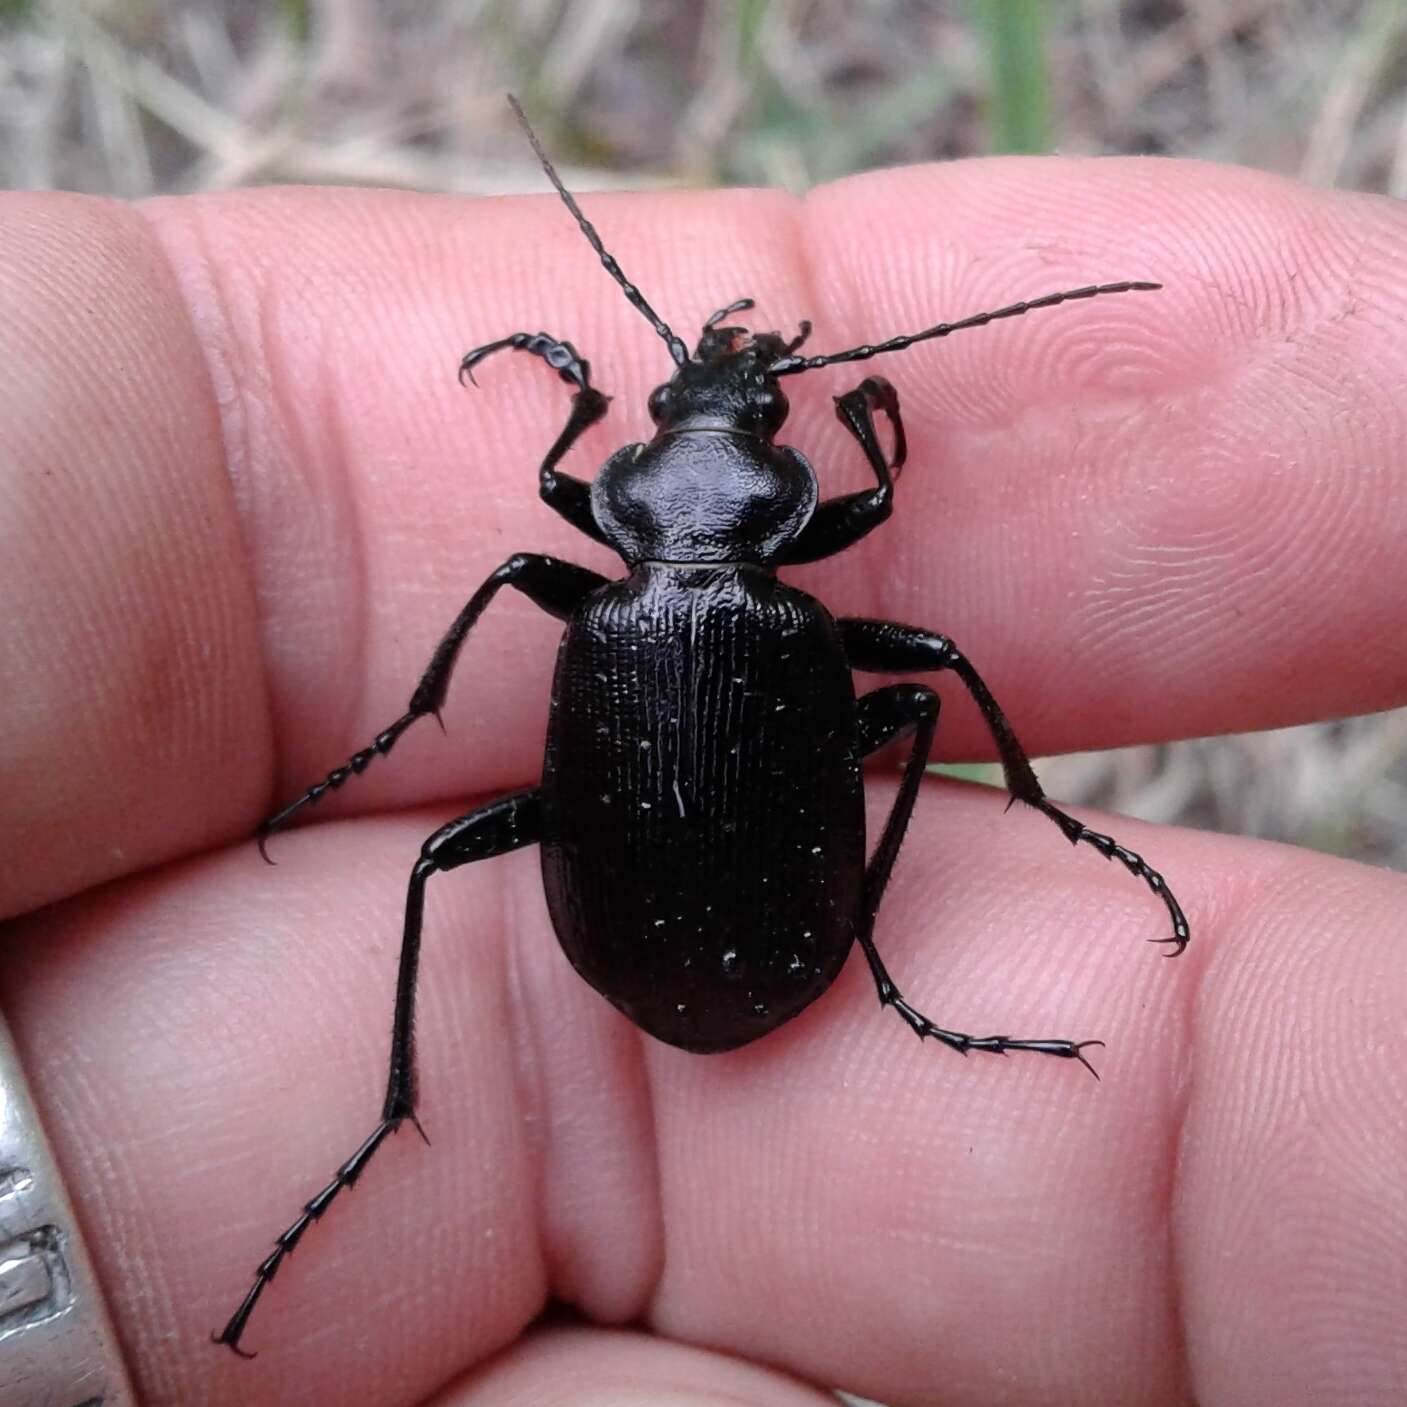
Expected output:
(231, 1344)
(964, 1044)
(561, 356)
(1133, 862)
(345, 1176)
(354, 766)
(1079, 1055)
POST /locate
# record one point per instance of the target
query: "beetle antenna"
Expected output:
(677, 349)
(789, 366)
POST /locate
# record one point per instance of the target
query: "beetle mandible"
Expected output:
(705, 738)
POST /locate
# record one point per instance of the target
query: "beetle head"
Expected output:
(727, 384)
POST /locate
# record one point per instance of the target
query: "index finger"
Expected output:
(1194, 496)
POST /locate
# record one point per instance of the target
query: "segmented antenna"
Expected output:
(677, 349)
(789, 366)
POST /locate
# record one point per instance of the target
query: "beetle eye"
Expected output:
(769, 408)
(659, 403)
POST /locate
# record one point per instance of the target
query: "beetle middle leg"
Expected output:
(558, 587)
(887, 648)
(887, 714)
(507, 824)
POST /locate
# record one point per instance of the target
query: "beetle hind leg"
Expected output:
(494, 829)
(887, 714)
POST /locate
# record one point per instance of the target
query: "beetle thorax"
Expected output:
(703, 495)
(711, 486)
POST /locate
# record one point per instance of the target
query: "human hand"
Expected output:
(243, 498)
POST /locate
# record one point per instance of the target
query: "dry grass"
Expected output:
(134, 96)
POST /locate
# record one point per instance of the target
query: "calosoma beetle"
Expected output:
(705, 739)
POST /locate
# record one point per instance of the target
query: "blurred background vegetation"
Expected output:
(128, 97)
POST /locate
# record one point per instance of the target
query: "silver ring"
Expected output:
(57, 1345)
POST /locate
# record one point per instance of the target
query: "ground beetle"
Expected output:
(705, 739)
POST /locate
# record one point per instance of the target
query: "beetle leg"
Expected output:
(569, 496)
(503, 825)
(558, 587)
(887, 648)
(839, 522)
(887, 714)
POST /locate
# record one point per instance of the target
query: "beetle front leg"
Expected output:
(887, 714)
(839, 522)
(887, 648)
(555, 586)
(569, 496)
(503, 825)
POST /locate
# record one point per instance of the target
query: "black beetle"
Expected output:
(705, 739)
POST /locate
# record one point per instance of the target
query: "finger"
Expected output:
(572, 1367)
(839, 1199)
(1178, 1232)
(375, 494)
(1149, 518)
(242, 1057)
(130, 684)
(1146, 487)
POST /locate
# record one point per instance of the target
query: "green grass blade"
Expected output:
(1018, 109)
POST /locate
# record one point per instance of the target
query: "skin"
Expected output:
(243, 496)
